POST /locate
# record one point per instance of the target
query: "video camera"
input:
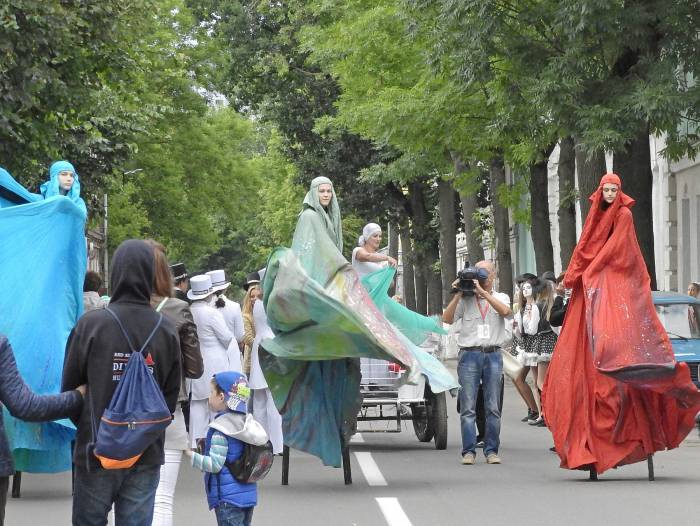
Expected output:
(467, 276)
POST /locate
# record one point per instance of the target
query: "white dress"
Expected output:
(364, 267)
(264, 409)
(214, 340)
(234, 321)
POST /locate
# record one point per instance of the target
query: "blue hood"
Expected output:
(51, 188)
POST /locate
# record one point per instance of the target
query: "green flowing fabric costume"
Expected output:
(324, 320)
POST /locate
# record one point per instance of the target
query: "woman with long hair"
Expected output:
(253, 294)
(614, 393)
(176, 441)
(545, 338)
(523, 342)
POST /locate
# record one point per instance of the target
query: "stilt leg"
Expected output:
(650, 467)
(285, 465)
(347, 473)
(16, 485)
(592, 475)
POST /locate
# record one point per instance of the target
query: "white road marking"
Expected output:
(370, 469)
(357, 438)
(393, 512)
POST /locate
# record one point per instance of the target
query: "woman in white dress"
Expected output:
(214, 340)
(365, 258)
(230, 310)
(264, 409)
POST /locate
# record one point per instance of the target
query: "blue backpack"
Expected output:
(137, 414)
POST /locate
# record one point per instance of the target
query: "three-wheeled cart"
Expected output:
(386, 398)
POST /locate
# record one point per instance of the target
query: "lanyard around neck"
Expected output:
(485, 311)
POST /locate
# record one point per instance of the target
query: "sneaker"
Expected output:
(468, 459)
(531, 415)
(536, 421)
(493, 459)
(541, 423)
(480, 444)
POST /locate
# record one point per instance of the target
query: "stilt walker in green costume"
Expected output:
(324, 320)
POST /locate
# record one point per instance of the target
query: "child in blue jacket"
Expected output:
(232, 500)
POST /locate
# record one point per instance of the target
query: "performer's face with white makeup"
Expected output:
(325, 194)
(374, 241)
(526, 289)
(610, 192)
(65, 180)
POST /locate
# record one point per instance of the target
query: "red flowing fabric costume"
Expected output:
(614, 392)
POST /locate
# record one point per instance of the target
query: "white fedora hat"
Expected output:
(200, 287)
(218, 280)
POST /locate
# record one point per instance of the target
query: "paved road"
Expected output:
(429, 487)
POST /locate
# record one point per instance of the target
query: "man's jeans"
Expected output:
(230, 515)
(486, 368)
(131, 490)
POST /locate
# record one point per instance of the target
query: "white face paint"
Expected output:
(527, 290)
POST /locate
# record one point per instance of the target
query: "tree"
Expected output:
(72, 79)
(566, 174)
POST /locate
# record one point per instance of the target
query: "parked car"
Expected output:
(680, 316)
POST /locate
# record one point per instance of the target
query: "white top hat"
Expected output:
(200, 287)
(218, 280)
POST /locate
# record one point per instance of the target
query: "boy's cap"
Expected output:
(236, 390)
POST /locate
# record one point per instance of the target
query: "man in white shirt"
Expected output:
(482, 313)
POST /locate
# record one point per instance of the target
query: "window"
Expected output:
(680, 320)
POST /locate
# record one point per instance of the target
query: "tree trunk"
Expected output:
(589, 170)
(467, 198)
(539, 216)
(566, 172)
(497, 173)
(633, 165)
(426, 251)
(408, 276)
(393, 241)
(393, 250)
(448, 238)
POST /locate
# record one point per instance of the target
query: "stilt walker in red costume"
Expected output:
(614, 392)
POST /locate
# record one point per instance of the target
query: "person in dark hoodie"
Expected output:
(97, 353)
(22, 403)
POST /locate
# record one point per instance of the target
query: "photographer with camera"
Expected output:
(482, 314)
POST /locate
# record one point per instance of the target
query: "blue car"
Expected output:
(680, 316)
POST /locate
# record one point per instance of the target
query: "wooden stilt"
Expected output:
(650, 467)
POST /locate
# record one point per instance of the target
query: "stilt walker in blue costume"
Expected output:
(43, 261)
(324, 320)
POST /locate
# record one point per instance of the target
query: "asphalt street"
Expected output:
(398, 481)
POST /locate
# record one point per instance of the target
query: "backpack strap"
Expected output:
(161, 304)
(128, 340)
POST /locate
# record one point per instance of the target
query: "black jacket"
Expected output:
(558, 312)
(97, 350)
(22, 403)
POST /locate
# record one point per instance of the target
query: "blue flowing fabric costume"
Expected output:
(43, 261)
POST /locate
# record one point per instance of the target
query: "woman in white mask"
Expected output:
(214, 340)
(527, 320)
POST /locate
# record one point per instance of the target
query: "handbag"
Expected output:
(513, 359)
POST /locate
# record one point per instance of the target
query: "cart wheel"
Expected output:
(439, 418)
(422, 423)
